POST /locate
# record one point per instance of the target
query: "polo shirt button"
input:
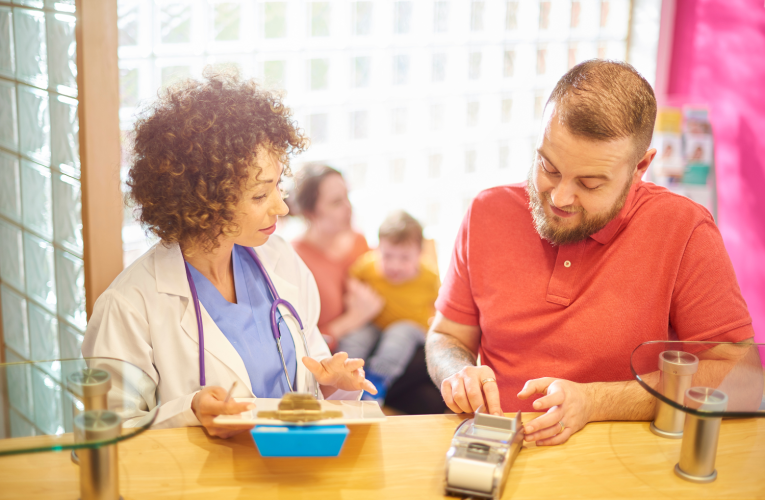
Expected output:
(567, 263)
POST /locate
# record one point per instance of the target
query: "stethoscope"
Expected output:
(278, 301)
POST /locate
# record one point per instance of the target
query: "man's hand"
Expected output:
(565, 401)
(208, 404)
(463, 393)
(340, 372)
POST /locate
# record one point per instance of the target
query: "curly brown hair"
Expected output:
(195, 147)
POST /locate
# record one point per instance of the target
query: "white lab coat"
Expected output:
(147, 317)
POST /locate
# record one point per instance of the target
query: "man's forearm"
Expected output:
(446, 356)
(619, 401)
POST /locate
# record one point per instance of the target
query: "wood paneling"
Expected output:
(98, 81)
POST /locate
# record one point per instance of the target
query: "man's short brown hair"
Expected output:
(399, 227)
(606, 100)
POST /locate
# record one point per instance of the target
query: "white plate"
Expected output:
(354, 412)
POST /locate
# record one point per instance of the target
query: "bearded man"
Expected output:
(555, 281)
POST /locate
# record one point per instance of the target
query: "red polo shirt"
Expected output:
(658, 270)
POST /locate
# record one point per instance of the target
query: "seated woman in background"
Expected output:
(329, 248)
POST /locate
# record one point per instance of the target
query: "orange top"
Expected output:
(330, 275)
(658, 271)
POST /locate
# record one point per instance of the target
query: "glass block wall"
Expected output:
(42, 293)
(420, 103)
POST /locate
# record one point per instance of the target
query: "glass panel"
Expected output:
(38, 267)
(71, 342)
(127, 22)
(507, 110)
(275, 19)
(31, 50)
(473, 108)
(128, 87)
(36, 198)
(61, 5)
(511, 15)
(175, 23)
(362, 18)
(67, 214)
(173, 74)
(10, 187)
(402, 17)
(6, 43)
(273, 73)
(37, 4)
(474, 65)
(476, 16)
(438, 73)
(9, 133)
(34, 124)
(15, 326)
(401, 69)
(398, 120)
(319, 74)
(47, 403)
(359, 125)
(361, 71)
(11, 256)
(19, 379)
(43, 336)
(65, 135)
(318, 128)
(319, 20)
(62, 53)
(227, 16)
(20, 427)
(70, 281)
(441, 17)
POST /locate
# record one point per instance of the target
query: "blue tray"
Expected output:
(299, 440)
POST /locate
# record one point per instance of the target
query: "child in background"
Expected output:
(408, 287)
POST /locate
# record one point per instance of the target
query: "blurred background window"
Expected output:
(421, 104)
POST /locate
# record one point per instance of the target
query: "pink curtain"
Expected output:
(718, 59)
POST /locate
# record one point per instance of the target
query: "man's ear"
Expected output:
(643, 164)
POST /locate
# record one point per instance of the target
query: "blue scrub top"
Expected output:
(247, 325)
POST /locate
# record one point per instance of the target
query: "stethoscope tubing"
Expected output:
(277, 301)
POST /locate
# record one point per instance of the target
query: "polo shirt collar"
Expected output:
(607, 233)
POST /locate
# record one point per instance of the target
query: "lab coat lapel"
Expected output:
(291, 294)
(171, 278)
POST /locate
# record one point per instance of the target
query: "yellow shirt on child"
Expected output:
(412, 300)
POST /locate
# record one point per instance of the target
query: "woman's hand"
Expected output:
(340, 372)
(208, 404)
(362, 302)
(568, 403)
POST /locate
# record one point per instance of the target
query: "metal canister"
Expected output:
(91, 386)
(99, 472)
(677, 369)
(700, 435)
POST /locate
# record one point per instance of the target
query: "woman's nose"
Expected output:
(280, 208)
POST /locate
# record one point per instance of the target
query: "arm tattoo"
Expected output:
(446, 356)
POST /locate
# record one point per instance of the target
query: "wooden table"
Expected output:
(402, 458)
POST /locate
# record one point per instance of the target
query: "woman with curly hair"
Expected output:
(195, 312)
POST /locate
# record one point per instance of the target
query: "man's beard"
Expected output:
(551, 229)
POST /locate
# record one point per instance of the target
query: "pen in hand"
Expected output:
(230, 391)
